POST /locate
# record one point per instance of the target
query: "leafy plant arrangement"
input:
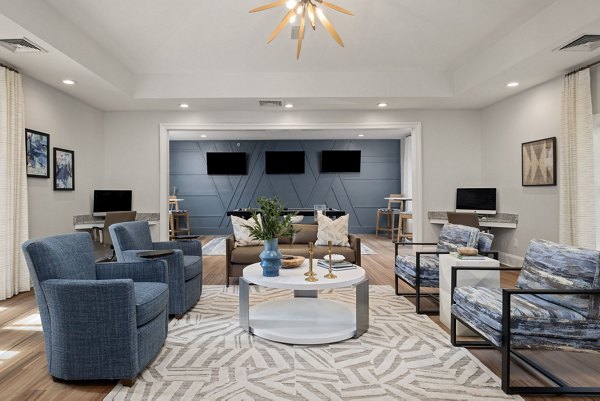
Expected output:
(271, 224)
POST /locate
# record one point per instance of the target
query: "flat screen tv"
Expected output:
(284, 162)
(226, 163)
(478, 200)
(340, 161)
(111, 201)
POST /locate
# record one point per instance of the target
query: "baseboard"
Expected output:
(509, 259)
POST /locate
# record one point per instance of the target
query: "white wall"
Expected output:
(72, 125)
(451, 148)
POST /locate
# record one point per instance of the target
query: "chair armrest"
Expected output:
(143, 271)
(355, 245)
(190, 248)
(548, 291)
(455, 270)
(398, 243)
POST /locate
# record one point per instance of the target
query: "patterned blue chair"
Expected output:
(422, 269)
(100, 320)
(185, 264)
(556, 305)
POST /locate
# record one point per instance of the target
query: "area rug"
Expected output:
(403, 356)
(216, 247)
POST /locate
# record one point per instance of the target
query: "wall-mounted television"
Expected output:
(111, 201)
(226, 163)
(340, 161)
(284, 162)
(477, 200)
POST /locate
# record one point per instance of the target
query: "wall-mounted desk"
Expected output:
(498, 220)
(88, 221)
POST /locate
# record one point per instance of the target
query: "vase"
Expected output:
(270, 258)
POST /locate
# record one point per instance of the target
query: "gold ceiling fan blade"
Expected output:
(336, 8)
(311, 15)
(268, 6)
(301, 33)
(330, 28)
(279, 27)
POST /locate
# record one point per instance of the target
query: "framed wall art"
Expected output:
(37, 150)
(64, 170)
(538, 162)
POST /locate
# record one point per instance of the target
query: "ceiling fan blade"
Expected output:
(301, 33)
(279, 27)
(268, 6)
(336, 8)
(311, 15)
(330, 28)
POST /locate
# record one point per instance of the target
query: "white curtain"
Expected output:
(577, 224)
(14, 276)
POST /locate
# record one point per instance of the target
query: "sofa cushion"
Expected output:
(335, 231)
(246, 254)
(241, 233)
(305, 233)
(150, 300)
(191, 266)
(406, 267)
(250, 254)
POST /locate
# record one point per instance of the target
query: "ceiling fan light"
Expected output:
(293, 19)
(299, 10)
(290, 4)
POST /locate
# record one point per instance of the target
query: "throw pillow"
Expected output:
(335, 231)
(241, 233)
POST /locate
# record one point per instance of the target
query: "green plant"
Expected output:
(273, 222)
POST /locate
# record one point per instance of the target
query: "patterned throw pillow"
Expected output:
(241, 233)
(335, 231)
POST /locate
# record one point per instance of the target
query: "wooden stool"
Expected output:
(404, 217)
(390, 215)
(175, 223)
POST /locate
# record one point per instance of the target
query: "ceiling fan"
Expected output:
(302, 9)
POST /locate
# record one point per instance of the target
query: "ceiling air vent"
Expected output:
(270, 103)
(21, 45)
(585, 43)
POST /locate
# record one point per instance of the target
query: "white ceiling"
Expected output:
(154, 54)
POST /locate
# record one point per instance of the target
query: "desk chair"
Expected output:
(390, 214)
(102, 235)
(464, 219)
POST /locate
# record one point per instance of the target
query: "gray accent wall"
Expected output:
(208, 197)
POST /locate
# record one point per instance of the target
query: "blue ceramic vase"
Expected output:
(270, 258)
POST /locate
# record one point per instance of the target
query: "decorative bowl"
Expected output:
(335, 258)
(467, 251)
(291, 261)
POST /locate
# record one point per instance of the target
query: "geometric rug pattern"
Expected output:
(403, 356)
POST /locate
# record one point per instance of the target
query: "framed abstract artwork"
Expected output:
(538, 162)
(64, 170)
(37, 150)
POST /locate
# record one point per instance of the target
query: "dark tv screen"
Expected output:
(340, 161)
(111, 201)
(480, 199)
(284, 162)
(226, 163)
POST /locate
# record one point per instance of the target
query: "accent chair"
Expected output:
(185, 264)
(555, 306)
(100, 320)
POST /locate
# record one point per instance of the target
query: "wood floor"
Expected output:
(23, 369)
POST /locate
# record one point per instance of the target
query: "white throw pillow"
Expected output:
(335, 231)
(241, 233)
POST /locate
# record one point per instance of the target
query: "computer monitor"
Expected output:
(111, 201)
(476, 200)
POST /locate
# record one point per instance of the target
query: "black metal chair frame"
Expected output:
(505, 349)
(417, 287)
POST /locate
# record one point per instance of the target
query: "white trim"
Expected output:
(417, 158)
(509, 259)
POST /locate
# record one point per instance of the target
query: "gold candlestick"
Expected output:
(311, 276)
(330, 274)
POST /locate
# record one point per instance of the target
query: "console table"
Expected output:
(88, 221)
(498, 220)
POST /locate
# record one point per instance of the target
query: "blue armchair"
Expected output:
(555, 306)
(185, 264)
(422, 269)
(100, 320)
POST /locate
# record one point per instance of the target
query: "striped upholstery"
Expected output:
(454, 236)
(485, 242)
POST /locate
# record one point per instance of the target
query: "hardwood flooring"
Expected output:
(23, 368)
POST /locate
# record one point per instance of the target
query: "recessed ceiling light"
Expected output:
(382, 104)
(203, 136)
(361, 135)
(68, 82)
(512, 84)
(184, 105)
(289, 106)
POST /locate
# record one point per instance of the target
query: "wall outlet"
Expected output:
(515, 242)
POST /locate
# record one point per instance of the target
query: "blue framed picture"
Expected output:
(37, 149)
(64, 170)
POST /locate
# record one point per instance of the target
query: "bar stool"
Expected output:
(390, 214)
(176, 219)
(404, 217)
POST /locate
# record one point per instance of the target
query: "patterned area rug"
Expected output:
(216, 247)
(403, 356)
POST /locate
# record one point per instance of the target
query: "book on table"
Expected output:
(343, 265)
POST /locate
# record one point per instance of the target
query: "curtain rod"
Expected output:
(9, 68)
(583, 68)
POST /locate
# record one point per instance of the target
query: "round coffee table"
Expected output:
(305, 318)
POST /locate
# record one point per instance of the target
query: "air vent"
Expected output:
(21, 45)
(270, 103)
(585, 43)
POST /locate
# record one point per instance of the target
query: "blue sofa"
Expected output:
(185, 264)
(555, 306)
(100, 320)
